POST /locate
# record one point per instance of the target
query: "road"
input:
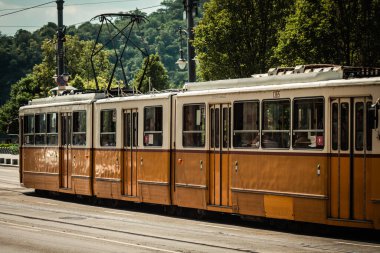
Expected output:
(32, 223)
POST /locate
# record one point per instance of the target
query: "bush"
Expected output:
(9, 149)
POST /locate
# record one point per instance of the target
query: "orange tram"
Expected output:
(299, 143)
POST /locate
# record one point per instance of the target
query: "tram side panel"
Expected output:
(291, 173)
(132, 154)
(75, 142)
(39, 154)
(40, 167)
(107, 156)
(280, 185)
(81, 151)
(56, 148)
(154, 162)
(191, 155)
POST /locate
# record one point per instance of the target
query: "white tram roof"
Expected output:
(136, 97)
(68, 99)
(281, 86)
(288, 75)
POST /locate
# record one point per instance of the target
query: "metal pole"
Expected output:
(60, 37)
(190, 38)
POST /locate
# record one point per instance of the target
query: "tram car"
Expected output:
(299, 143)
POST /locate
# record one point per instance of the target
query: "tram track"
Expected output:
(68, 222)
(104, 229)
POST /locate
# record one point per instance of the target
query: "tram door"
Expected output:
(351, 138)
(129, 175)
(65, 169)
(220, 136)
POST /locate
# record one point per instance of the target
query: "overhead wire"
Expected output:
(79, 4)
(24, 9)
(21, 26)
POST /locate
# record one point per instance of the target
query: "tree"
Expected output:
(40, 81)
(235, 38)
(77, 63)
(21, 93)
(331, 31)
(155, 74)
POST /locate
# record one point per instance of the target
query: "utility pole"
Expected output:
(189, 7)
(60, 37)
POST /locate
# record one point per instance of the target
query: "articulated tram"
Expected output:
(297, 144)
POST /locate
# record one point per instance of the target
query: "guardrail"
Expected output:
(8, 157)
(9, 160)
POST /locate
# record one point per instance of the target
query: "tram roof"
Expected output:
(136, 97)
(288, 75)
(65, 99)
(286, 86)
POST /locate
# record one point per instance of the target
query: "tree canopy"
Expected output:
(155, 77)
(40, 81)
(331, 31)
(236, 38)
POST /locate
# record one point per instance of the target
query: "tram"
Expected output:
(299, 143)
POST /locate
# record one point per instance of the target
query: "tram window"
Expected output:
(246, 124)
(52, 130)
(108, 127)
(29, 129)
(334, 136)
(308, 130)
(194, 125)
(370, 117)
(359, 128)
(215, 134)
(79, 128)
(226, 126)
(40, 126)
(130, 129)
(344, 131)
(276, 124)
(153, 126)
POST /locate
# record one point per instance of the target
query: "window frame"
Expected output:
(28, 134)
(147, 133)
(102, 134)
(264, 131)
(42, 131)
(201, 132)
(79, 133)
(258, 131)
(50, 134)
(315, 131)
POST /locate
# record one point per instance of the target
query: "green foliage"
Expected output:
(159, 35)
(155, 73)
(38, 83)
(235, 38)
(21, 93)
(18, 55)
(331, 31)
(9, 148)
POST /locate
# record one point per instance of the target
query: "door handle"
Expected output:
(318, 169)
(201, 164)
(141, 161)
(236, 166)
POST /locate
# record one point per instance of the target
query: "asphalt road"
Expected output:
(32, 223)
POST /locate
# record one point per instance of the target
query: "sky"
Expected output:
(74, 12)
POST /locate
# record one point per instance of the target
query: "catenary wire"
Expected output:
(24, 9)
(79, 23)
